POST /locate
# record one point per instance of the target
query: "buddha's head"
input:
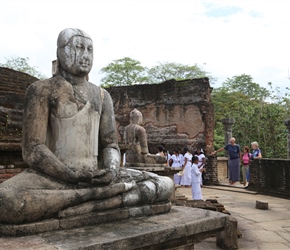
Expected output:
(75, 52)
(136, 116)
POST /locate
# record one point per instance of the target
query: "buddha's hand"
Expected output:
(81, 176)
(104, 176)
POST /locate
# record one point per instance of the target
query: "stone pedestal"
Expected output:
(222, 165)
(181, 228)
(228, 122)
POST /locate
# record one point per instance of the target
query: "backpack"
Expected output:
(249, 155)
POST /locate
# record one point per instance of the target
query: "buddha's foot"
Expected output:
(130, 185)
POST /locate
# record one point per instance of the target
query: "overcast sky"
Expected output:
(226, 38)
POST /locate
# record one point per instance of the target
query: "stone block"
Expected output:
(228, 238)
(262, 205)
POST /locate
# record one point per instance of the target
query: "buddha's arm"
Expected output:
(108, 137)
(35, 122)
(142, 138)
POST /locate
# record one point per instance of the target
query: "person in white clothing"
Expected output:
(186, 177)
(181, 156)
(195, 179)
(201, 161)
(176, 163)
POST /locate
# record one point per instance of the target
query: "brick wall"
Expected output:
(13, 85)
(211, 171)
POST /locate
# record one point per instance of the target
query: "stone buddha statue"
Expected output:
(135, 137)
(70, 143)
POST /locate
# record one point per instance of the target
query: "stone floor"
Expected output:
(261, 229)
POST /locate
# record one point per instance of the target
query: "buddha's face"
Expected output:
(76, 57)
(136, 119)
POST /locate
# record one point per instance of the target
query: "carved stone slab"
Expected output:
(94, 218)
(181, 227)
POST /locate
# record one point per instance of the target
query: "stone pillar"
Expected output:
(287, 124)
(228, 238)
(228, 122)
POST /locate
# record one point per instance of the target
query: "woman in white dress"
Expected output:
(175, 163)
(175, 159)
(181, 157)
(201, 161)
(186, 168)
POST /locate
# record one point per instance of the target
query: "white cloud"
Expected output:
(230, 37)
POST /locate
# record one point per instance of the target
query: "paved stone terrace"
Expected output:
(261, 229)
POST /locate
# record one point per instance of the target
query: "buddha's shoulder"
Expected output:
(49, 86)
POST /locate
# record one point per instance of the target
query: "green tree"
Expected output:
(169, 70)
(244, 84)
(259, 114)
(123, 72)
(22, 64)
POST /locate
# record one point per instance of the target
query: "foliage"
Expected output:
(123, 72)
(22, 64)
(259, 115)
(127, 71)
(169, 70)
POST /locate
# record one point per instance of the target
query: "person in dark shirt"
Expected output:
(234, 160)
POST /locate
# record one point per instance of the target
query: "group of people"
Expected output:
(192, 167)
(237, 158)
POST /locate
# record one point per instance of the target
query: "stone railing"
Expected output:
(270, 176)
(267, 176)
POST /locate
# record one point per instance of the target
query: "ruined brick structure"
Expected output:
(13, 85)
(176, 113)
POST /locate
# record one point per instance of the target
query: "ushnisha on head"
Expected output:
(136, 116)
(74, 53)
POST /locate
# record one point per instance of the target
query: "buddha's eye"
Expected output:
(79, 46)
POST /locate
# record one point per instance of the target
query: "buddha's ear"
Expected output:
(55, 67)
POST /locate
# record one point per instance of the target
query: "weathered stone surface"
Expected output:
(178, 229)
(94, 218)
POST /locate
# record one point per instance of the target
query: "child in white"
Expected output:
(195, 179)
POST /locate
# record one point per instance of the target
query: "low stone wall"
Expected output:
(270, 176)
